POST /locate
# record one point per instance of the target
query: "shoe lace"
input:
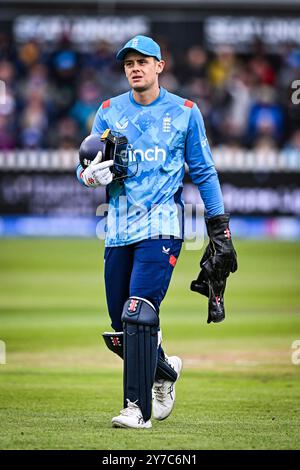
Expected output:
(131, 408)
(163, 389)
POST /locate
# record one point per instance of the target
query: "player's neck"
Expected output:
(146, 97)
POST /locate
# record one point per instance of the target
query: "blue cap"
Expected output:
(141, 44)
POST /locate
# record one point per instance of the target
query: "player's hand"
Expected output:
(212, 289)
(218, 261)
(223, 259)
(201, 283)
(98, 173)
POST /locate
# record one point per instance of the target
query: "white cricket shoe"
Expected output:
(163, 391)
(131, 417)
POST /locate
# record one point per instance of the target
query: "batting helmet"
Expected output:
(113, 146)
(89, 148)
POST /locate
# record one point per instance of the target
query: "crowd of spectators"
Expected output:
(53, 94)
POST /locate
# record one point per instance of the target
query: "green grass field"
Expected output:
(60, 386)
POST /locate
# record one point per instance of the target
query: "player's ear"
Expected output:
(160, 65)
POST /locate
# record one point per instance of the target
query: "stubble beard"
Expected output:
(140, 88)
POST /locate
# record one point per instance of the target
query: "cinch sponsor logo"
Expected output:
(150, 155)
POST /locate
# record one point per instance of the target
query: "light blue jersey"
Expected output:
(162, 136)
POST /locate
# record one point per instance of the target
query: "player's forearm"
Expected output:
(211, 194)
(79, 171)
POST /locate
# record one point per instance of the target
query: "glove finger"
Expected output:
(103, 173)
(207, 254)
(201, 288)
(102, 165)
(209, 267)
(200, 284)
(221, 267)
(107, 179)
(234, 265)
(216, 310)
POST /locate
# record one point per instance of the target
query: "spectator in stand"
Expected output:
(7, 140)
(28, 54)
(7, 47)
(67, 143)
(240, 90)
(7, 73)
(262, 70)
(222, 67)
(7, 106)
(85, 108)
(288, 73)
(265, 144)
(192, 65)
(64, 129)
(101, 59)
(266, 116)
(242, 97)
(34, 118)
(64, 66)
(293, 144)
(168, 78)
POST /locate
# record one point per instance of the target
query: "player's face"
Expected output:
(142, 71)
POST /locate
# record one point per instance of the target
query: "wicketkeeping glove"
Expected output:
(218, 261)
(98, 173)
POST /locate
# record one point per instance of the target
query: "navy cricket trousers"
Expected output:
(143, 269)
